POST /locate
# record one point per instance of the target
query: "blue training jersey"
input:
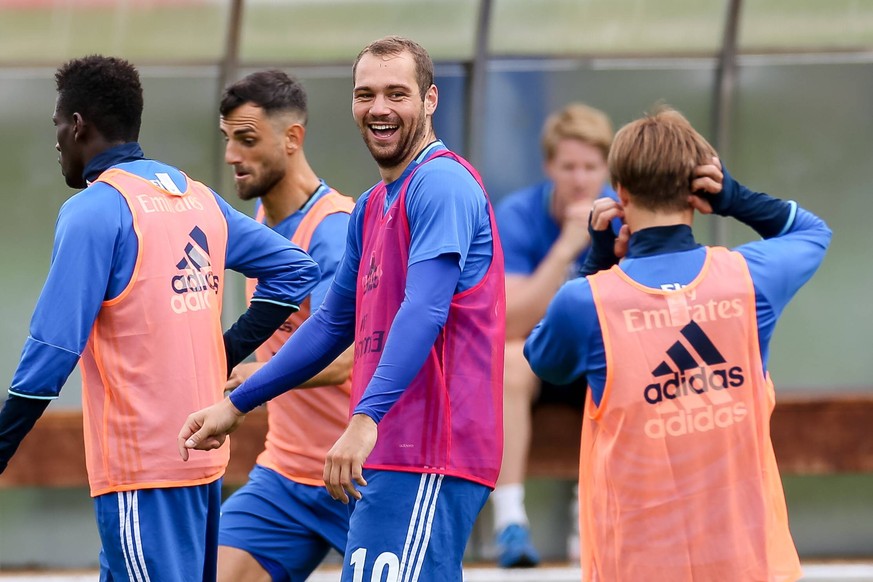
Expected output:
(568, 342)
(326, 246)
(447, 216)
(528, 230)
(450, 240)
(93, 259)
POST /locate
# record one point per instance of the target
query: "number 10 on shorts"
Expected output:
(386, 561)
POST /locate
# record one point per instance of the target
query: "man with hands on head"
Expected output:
(420, 293)
(678, 479)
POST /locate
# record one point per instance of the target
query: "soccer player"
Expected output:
(678, 480)
(281, 524)
(544, 233)
(420, 292)
(135, 289)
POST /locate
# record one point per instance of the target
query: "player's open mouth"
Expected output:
(383, 130)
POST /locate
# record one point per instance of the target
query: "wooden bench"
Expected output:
(813, 434)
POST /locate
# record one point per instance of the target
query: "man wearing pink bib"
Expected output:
(678, 479)
(420, 294)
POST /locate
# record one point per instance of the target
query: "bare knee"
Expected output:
(236, 565)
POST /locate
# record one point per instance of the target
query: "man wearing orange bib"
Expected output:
(282, 523)
(678, 480)
(135, 291)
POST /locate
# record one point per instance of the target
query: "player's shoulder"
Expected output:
(529, 200)
(97, 201)
(444, 182)
(574, 294)
(443, 170)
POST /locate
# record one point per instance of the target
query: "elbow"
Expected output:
(304, 279)
(310, 275)
(827, 235)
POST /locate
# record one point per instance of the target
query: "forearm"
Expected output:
(528, 297)
(336, 373)
(252, 329)
(16, 420)
(430, 286)
(317, 343)
(766, 215)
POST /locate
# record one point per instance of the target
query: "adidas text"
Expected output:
(702, 380)
(696, 421)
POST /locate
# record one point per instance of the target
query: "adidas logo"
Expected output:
(691, 389)
(373, 275)
(196, 284)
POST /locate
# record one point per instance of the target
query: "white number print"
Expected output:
(386, 560)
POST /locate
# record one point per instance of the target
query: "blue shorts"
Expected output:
(411, 527)
(159, 535)
(286, 526)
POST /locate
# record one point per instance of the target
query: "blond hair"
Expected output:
(654, 157)
(577, 121)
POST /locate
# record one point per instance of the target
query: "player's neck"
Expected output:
(638, 218)
(390, 174)
(291, 194)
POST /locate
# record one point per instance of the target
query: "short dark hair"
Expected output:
(105, 91)
(394, 45)
(272, 90)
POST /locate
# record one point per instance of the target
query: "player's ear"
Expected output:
(294, 136)
(622, 193)
(431, 97)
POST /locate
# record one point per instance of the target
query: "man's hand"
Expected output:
(240, 374)
(208, 428)
(708, 182)
(343, 466)
(574, 229)
(603, 212)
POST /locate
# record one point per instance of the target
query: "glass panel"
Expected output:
(806, 24)
(576, 27)
(40, 31)
(520, 99)
(336, 30)
(805, 132)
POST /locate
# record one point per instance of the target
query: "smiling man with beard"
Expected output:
(420, 292)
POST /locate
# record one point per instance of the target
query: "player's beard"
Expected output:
(394, 156)
(257, 187)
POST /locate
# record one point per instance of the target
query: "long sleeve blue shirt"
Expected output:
(568, 342)
(93, 258)
(450, 250)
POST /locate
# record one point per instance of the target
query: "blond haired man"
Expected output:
(544, 231)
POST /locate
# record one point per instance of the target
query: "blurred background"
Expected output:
(782, 88)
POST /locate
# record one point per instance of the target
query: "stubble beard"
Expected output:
(402, 150)
(258, 188)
